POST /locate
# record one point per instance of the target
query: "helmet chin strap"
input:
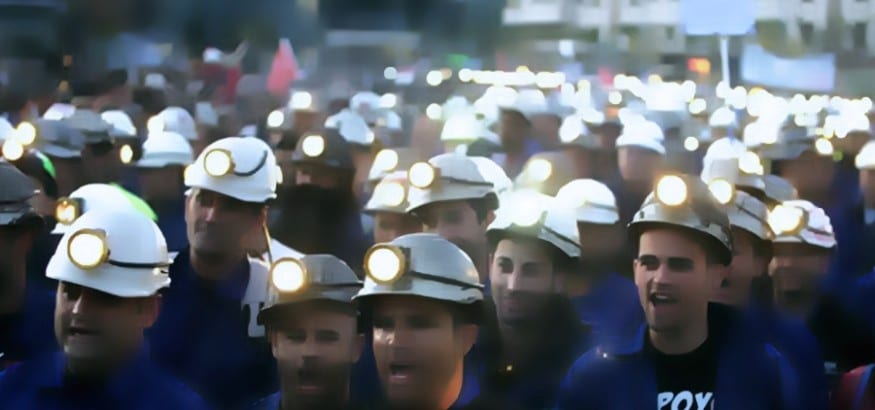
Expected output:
(267, 242)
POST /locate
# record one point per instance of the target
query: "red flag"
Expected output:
(284, 70)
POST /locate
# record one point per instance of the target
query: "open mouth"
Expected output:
(660, 298)
(401, 372)
(81, 331)
(308, 381)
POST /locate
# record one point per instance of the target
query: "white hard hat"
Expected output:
(119, 252)
(390, 194)
(455, 105)
(58, 139)
(389, 160)
(164, 149)
(574, 132)
(155, 81)
(355, 130)
(779, 189)
(424, 265)
(533, 214)
(792, 142)
(723, 117)
(308, 278)
(389, 120)
(528, 102)
(205, 114)
(866, 158)
(446, 177)
(642, 134)
(89, 197)
(592, 200)
(174, 119)
(799, 221)
(685, 201)
(462, 127)
(365, 104)
(334, 121)
(302, 101)
(493, 173)
(89, 124)
(6, 129)
(242, 168)
(750, 214)
(122, 125)
(545, 172)
(59, 111)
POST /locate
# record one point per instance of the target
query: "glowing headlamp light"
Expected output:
(386, 160)
(26, 133)
(823, 146)
(68, 210)
(385, 264)
(288, 275)
(155, 124)
(750, 163)
(570, 130)
(313, 145)
(126, 154)
(671, 190)
(722, 190)
(539, 170)
(12, 150)
(787, 220)
(218, 162)
(275, 119)
(423, 175)
(87, 248)
(390, 193)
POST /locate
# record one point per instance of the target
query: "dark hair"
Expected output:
(462, 313)
(274, 314)
(32, 166)
(482, 206)
(562, 263)
(715, 252)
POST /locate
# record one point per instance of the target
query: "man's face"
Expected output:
(745, 266)
(218, 224)
(522, 277)
(673, 279)
(457, 222)
(546, 127)
(604, 244)
(390, 225)
(314, 347)
(810, 173)
(96, 329)
(418, 349)
(513, 130)
(582, 160)
(638, 164)
(42, 203)
(320, 175)
(103, 163)
(797, 270)
(14, 245)
(160, 184)
(867, 185)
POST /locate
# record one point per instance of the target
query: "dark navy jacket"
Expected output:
(609, 307)
(750, 374)
(41, 384)
(203, 336)
(30, 332)
(171, 221)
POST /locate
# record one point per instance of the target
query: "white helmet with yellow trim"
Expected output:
(591, 200)
(165, 149)
(532, 214)
(119, 252)
(446, 177)
(88, 198)
(309, 278)
(390, 195)
(750, 214)
(122, 125)
(685, 201)
(866, 158)
(574, 133)
(390, 160)
(241, 168)
(424, 265)
(545, 172)
(493, 173)
(174, 119)
(800, 221)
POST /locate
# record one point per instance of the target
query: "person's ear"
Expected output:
(149, 309)
(490, 217)
(467, 337)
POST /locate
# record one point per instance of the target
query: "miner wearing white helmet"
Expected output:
(453, 199)
(124, 133)
(315, 335)
(603, 296)
(94, 197)
(493, 173)
(218, 289)
(110, 268)
(28, 331)
(516, 130)
(683, 243)
(160, 175)
(640, 156)
(534, 246)
(545, 172)
(101, 159)
(414, 280)
(362, 145)
(580, 144)
(388, 206)
(63, 145)
(391, 160)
